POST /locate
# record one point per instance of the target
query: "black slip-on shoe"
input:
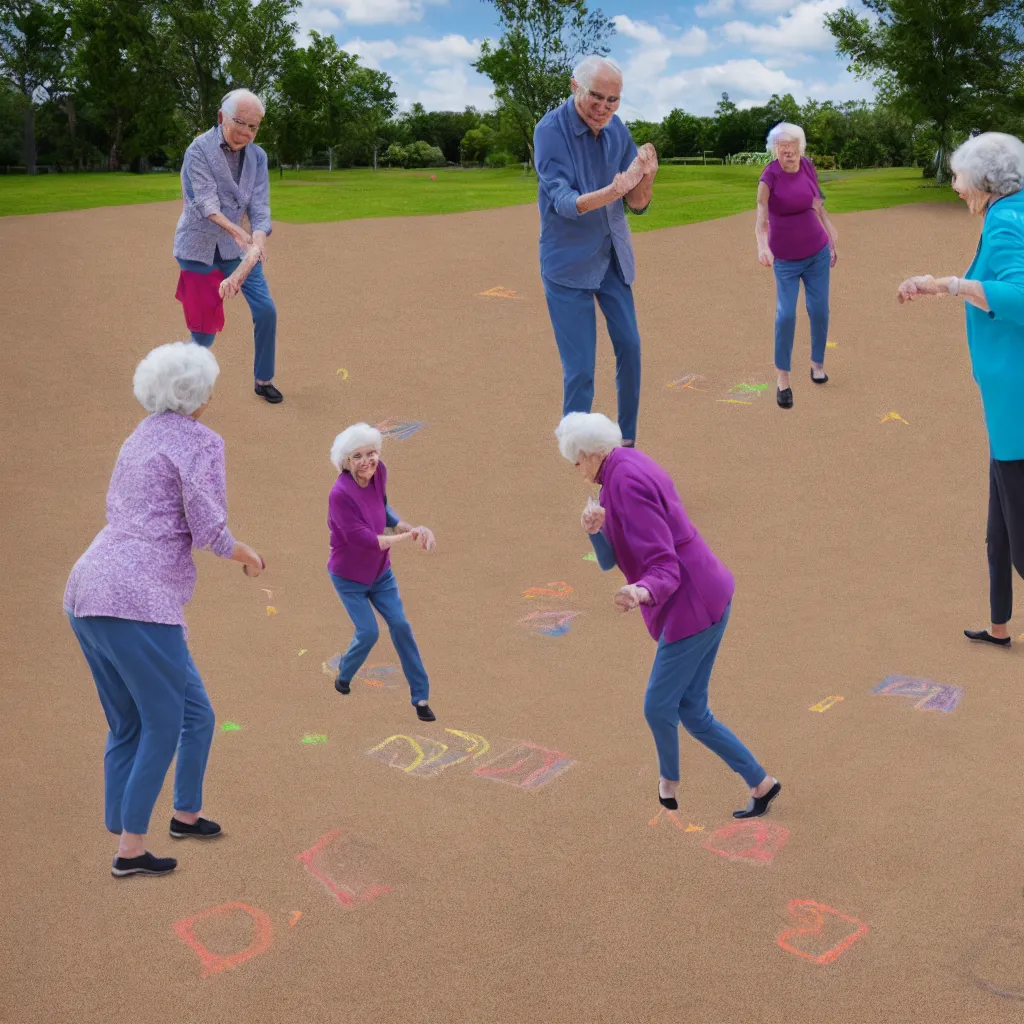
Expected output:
(424, 714)
(669, 802)
(784, 398)
(759, 804)
(342, 686)
(147, 864)
(984, 636)
(202, 829)
(823, 379)
(270, 393)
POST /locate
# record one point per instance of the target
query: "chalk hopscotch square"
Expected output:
(553, 623)
(755, 842)
(526, 766)
(348, 869)
(398, 430)
(927, 695)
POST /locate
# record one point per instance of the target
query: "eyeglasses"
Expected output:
(254, 128)
(601, 98)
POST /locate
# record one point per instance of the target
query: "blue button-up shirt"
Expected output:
(576, 248)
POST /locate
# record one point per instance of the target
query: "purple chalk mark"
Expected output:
(526, 766)
(399, 429)
(931, 696)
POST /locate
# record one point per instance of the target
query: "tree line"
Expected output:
(115, 84)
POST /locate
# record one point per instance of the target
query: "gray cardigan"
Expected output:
(207, 187)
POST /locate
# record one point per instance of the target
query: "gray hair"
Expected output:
(587, 433)
(783, 131)
(992, 162)
(351, 439)
(178, 377)
(587, 68)
(230, 102)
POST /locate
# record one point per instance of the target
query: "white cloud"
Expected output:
(688, 44)
(768, 6)
(417, 51)
(802, 29)
(714, 9)
(363, 12)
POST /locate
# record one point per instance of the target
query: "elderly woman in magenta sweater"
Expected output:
(988, 174)
(125, 599)
(796, 238)
(363, 530)
(684, 593)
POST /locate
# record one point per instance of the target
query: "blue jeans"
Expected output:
(155, 703)
(359, 601)
(575, 324)
(261, 305)
(678, 692)
(814, 272)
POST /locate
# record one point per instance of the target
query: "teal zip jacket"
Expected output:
(996, 338)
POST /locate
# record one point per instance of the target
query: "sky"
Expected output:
(673, 54)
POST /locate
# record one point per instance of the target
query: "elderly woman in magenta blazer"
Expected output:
(364, 528)
(988, 174)
(125, 599)
(796, 238)
(684, 593)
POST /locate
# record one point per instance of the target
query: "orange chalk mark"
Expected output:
(755, 841)
(296, 914)
(271, 610)
(685, 383)
(500, 292)
(344, 896)
(557, 589)
(812, 913)
(694, 828)
(664, 812)
(214, 963)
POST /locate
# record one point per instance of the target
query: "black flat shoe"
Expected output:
(147, 864)
(986, 637)
(668, 802)
(819, 380)
(202, 829)
(784, 398)
(424, 714)
(341, 686)
(270, 393)
(759, 804)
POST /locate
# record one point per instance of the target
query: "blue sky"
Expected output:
(674, 54)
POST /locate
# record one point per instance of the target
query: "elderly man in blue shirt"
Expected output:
(224, 175)
(587, 164)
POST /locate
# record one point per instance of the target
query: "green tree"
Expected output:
(531, 65)
(33, 55)
(947, 62)
(477, 143)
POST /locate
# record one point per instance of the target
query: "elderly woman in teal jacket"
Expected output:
(988, 175)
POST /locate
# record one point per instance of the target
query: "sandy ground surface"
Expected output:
(500, 865)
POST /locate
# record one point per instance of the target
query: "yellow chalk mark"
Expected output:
(302, 652)
(895, 417)
(824, 705)
(694, 828)
(473, 738)
(326, 669)
(415, 746)
(832, 344)
(733, 401)
(500, 292)
(271, 610)
(343, 372)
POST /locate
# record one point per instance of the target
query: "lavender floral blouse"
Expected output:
(167, 496)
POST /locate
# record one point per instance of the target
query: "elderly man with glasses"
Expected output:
(587, 163)
(224, 175)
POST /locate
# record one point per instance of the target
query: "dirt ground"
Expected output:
(501, 865)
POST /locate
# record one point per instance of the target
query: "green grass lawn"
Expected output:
(682, 194)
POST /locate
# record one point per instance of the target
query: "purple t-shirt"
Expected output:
(794, 229)
(357, 516)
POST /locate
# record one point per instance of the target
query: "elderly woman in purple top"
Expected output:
(364, 528)
(684, 593)
(126, 594)
(795, 236)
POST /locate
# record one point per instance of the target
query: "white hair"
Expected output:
(230, 102)
(992, 162)
(359, 435)
(587, 433)
(587, 68)
(178, 377)
(783, 131)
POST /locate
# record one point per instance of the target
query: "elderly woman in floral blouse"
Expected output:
(683, 591)
(126, 594)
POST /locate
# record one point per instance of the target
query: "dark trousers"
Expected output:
(1005, 538)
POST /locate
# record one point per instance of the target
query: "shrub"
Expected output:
(501, 159)
(423, 154)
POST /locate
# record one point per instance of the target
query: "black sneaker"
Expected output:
(342, 686)
(147, 864)
(202, 829)
(270, 393)
(424, 714)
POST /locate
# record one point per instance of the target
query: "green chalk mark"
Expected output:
(230, 727)
(590, 558)
(750, 387)
(314, 739)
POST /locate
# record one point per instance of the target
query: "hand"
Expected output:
(593, 517)
(627, 180)
(260, 238)
(252, 563)
(649, 155)
(765, 256)
(424, 537)
(242, 237)
(229, 288)
(631, 596)
(833, 255)
(914, 286)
